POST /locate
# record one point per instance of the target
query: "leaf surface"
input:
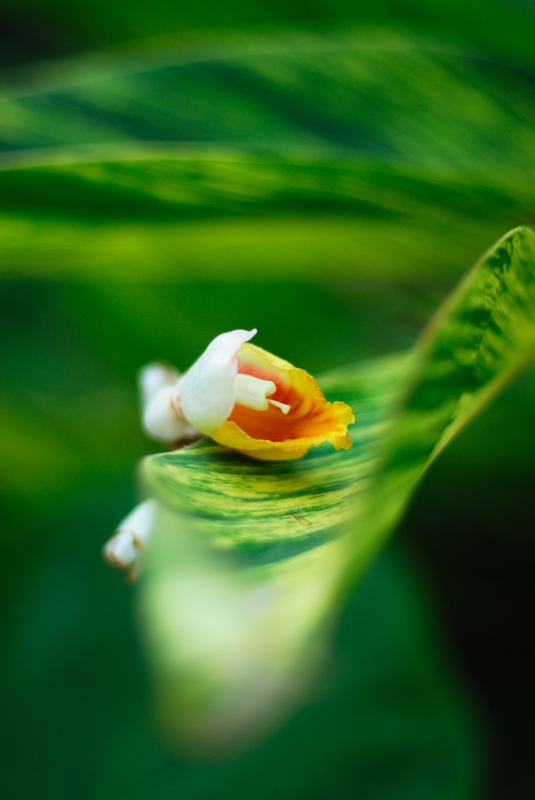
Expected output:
(239, 155)
(250, 560)
(240, 215)
(376, 93)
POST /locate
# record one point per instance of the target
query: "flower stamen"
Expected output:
(253, 393)
(284, 407)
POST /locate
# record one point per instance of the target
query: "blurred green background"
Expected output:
(324, 173)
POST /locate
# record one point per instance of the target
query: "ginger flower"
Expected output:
(245, 398)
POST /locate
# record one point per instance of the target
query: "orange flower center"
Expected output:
(309, 414)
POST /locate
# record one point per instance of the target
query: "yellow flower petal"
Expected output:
(273, 435)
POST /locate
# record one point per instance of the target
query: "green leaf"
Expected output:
(73, 687)
(376, 93)
(290, 153)
(498, 27)
(250, 561)
(241, 215)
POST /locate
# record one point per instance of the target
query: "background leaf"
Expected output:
(501, 27)
(187, 217)
(367, 153)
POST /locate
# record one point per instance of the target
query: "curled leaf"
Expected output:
(250, 560)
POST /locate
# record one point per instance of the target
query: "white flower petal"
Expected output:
(124, 547)
(154, 377)
(161, 421)
(206, 392)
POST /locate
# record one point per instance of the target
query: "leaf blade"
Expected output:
(274, 611)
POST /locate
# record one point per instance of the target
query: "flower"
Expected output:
(242, 397)
(245, 398)
(124, 549)
(157, 383)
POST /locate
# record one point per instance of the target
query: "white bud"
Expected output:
(159, 390)
(160, 418)
(154, 377)
(121, 551)
(124, 548)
